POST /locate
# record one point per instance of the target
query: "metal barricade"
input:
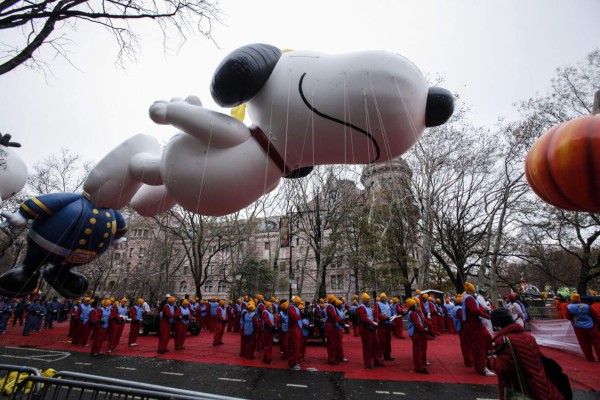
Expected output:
(11, 376)
(74, 385)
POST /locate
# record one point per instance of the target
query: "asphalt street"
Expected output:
(245, 382)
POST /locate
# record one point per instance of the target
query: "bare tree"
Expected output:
(46, 23)
(59, 173)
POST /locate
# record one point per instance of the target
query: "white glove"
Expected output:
(375, 324)
(13, 219)
(117, 242)
(346, 326)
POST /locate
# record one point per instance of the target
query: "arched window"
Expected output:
(208, 286)
(222, 287)
(183, 286)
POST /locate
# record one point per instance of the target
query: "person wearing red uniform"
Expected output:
(331, 331)
(448, 311)
(237, 312)
(561, 307)
(166, 325)
(137, 313)
(99, 318)
(397, 323)
(585, 323)
(368, 332)
(229, 311)
(85, 328)
(418, 335)
(529, 357)
(283, 323)
(465, 349)
(249, 331)
(475, 334)
(183, 316)
(75, 322)
(221, 321)
(118, 317)
(260, 307)
(269, 330)
(382, 315)
(294, 334)
(439, 318)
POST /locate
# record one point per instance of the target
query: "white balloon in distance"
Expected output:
(118, 176)
(13, 173)
(307, 109)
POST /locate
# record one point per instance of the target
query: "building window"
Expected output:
(145, 234)
(208, 286)
(185, 270)
(222, 268)
(267, 246)
(183, 286)
(222, 287)
(138, 267)
(211, 269)
(281, 266)
(117, 256)
(337, 281)
(131, 252)
(142, 252)
(127, 267)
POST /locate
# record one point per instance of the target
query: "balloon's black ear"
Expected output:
(243, 73)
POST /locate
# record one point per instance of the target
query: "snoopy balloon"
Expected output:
(306, 109)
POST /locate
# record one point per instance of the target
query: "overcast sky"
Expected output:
(493, 53)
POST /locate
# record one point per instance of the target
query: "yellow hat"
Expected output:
(383, 296)
(140, 301)
(364, 297)
(418, 291)
(410, 302)
(213, 299)
(377, 299)
(111, 298)
(221, 302)
(230, 302)
(268, 304)
(251, 307)
(259, 297)
(124, 300)
(355, 297)
(438, 301)
(239, 300)
(106, 302)
(447, 300)
(330, 298)
(284, 305)
(296, 300)
(338, 302)
(301, 307)
(395, 300)
(192, 301)
(116, 303)
(575, 297)
(171, 299)
(185, 302)
(469, 287)
(87, 299)
(354, 302)
(321, 301)
(424, 296)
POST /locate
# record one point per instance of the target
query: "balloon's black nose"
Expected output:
(440, 106)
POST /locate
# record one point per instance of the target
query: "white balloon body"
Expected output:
(13, 173)
(118, 176)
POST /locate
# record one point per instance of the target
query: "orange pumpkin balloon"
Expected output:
(563, 165)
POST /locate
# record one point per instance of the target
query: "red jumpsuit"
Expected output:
(229, 317)
(99, 317)
(136, 313)
(260, 307)
(382, 314)
(465, 349)
(183, 315)
(397, 323)
(368, 336)
(332, 334)
(221, 320)
(475, 335)
(268, 327)
(250, 334)
(85, 330)
(116, 325)
(166, 325)
(294, 335)
(585, 323)
(74, 324)
(449, 321)
(283, 336)
(418, 336)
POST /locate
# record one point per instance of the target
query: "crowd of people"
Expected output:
(483, 329)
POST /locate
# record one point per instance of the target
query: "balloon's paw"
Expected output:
(158, 112)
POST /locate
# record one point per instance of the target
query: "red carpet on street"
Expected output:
(443, 352)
